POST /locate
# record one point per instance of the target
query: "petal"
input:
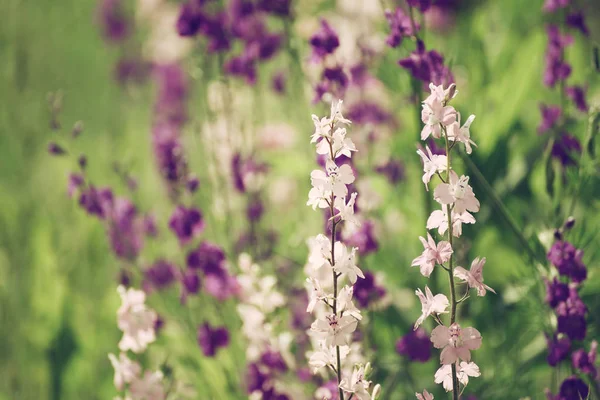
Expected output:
(461, 273)
(440, 336)
(439, 304)
(449, 355)
(442, 194)
(471, 338)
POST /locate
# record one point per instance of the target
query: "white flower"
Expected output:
(336, 113)
(434, 114)
(432, 254)
(474, 277)
(463, 371)
(135, 320)
(430, 304)
(439, 219)
(149, 387)
(318, 197)
(326, 356)
(125, 369)
(341, 145)
(425, 396)
(322, 129)
(439, 94)
(319, 251)
(357, 384)
(334, 180)
(345, 304)
(346, 211)
(461, 133)
(432, 163)
(316, 294)
(457, 192)
(345, 262)
(334, 330)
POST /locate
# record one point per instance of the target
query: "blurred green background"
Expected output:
(58, 276)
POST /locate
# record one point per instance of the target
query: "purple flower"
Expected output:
(211, 339)
(55, 149)
(159, 276)
(273, 361)
(115, 25)
(550, 116)
(400, 27)
(422, 5)
(131, 70)
(556, 292)
(256, 379)
(242, 66)
(76, 181)
(566, 148)
(363, 238)
(558, 349)
(191, 18)
(214, 29)
(281, 8)
(255, 210)
(367, 112)
(208, 257)
(124, 229)
(367, 290)
(96, 201)
(427, 66)
(221, 284)
(172, 94)
(393, 170)
(324, 41)
(571, 317)
(241, 169)
(191, 282)
(556, 68)
(573, 388)
(577, 21)
(551, 6)
(577, 95)
(415, 345)
(568, 260)
(192, 184)
(149, 225)
(333, 80)
(585, 362)
(186, 223)
(279, 82)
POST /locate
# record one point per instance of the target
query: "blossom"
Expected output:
(341, 145)
(326, 356)
(474, 277)
(316, 294)
(148, 387)
(577, 95)
(393, 170)
(159, 276)
(336, 113)
(415, 345)
(456, 342)
(558, 349)
(430, 304)
(318, 197)
(186, 223)
(135, 320)
(367, 290)
(426, 66)
(125, 370)
(585, 362)
(400, 27)
(434, 114)
(345, 262)
(425, 396)
(357, 384)
(550, 116)
(568, 260)
(334, 180)
(439, 219)
(566, 148)
(324, 42)
(463, 371)
(319, 251)
(462, 134)
(211, 339)
(572, 387)
(576, 20)
(345, 304)
(433, 253)
(334, 330)
(556, 292)
(571, 315)
(458, 192)
(432, 164)
(346, 210)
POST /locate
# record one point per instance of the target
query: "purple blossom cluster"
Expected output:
(262, 373)
(415, 346)
(242, 21)
(563, 297)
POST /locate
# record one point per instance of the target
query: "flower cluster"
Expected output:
(556, 72)
(333, 80)
(562, 295)
(330, 261)
(457, 201)
(137, 322)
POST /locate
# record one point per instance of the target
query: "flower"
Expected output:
(462, 134)
(148, 387)
(393, 170)
(455, 342)
(426, 66)
(556, 292)
(585, 362)
(186, 223)
(566, 149)
(159, 276)
(319, 252)
(439, 219)
(577, 95)
(571, 316)
(211, 339)
(125, 370)
(324, 42)
(558, 349)
(432, 254)
(568, 260)
(550, 116)
(425, 396)
(346, 211)
(551, 6)
(345, 304)
(400, 27)
(457, 192)
(366, 290)
(463, 370)
(334, 180)
(430, 304)
(415, 345)
(572, 387)
(357, 385)
(345, 262)
(135, 320)
(316, 294)
(576, 20)
(432, 164)
(474, 277)
(434, 114)
(334, 330)
(326, 356)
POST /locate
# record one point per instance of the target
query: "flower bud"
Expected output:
(55, 149)
(569, 223)
(376, 392)
(368, 369)
(451, 92)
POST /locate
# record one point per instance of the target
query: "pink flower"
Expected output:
(432, 163)
(457, 192)
(430, 304)
(462, 133)
(463, 370)
(439, 219)
(455, 342)
(425, 396)
(474, 277)
(434, 114)
(432, 254)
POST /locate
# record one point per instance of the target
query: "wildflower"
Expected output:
(577, 95)
(432, 164)
(400, 27)
(566, 149)
(556, 292)
(345, 262)
(357, 385)
(186, 223)
(576, 20)
(159, 276)
(422, 5)
(439, 219)
(335, 180)
(366, 290)
(455, 342)
(474, 277)
(346, 211)
(393, 170)
(148, 387)
(434, 114)
(433, 253)
(334, 330)
(324, 42)
(326, 356)
(568, 260)
(415, 345)
(316, 294)
(572, 387)
(463, 371)
(462, 134)
(585, 362)
(550, 116)
(125, 370)
(211, 339)
(364, 239)
(345, 304)
(425, 396)
(430, 304)
(457, 192)
(571, 317)
(558, 349)
(135, 320)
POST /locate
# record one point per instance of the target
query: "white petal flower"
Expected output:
(135, 320)
(333, 330)
(457, 192)
(357, 384)
(345, 304)
(316, 294)
(432, 163)
(425, 396)
(345, 262)
(430, 304)
(341, 145)
(336, 113)
(474, 277)
(149, 387)
(125, 370)
(346, 211)
(326, 356)
(439, 219)
(461, 133)
(463, 371)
